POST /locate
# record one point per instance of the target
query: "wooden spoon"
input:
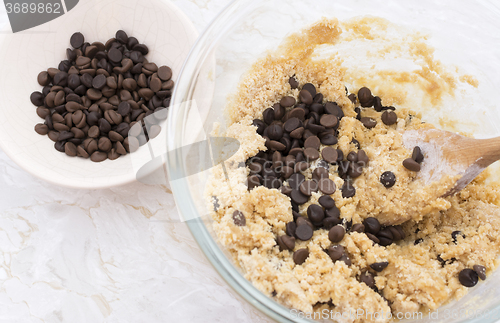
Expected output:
(448, 153)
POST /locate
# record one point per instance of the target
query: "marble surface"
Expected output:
(113, 255)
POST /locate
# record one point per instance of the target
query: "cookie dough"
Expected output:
(423, 268)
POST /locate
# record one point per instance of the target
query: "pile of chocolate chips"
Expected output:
(92, 101)
(294, 132)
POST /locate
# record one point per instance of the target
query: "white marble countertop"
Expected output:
(106, 255)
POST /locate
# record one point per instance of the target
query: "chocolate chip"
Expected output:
(70, 149)
(396, 232)
(336, 234)
(343, 168)
(352, 156)
(379, 266)
(441, 260)
(94, 94)
(480, 270)
(287, 101)
(372, 237)
(315, 129)
(276, 145)
(388, 179)
(358, 227)
(121, 36)
(292, 124)
(286, 190)
(362, 158)
(346, 259)
(298, 113)
(239, 218)
(37, 98)
(275, 132)
(355, 170)
(419, 240)
(348, 190)
(77, 40)
(304, 232)
(328, 120)
(468, 277)
(327, 186)
(94, 132)
(417, 155)
(295, 180)
(164, 73)
(355, 143)
(42, 129)
(43, 78)
(308, 187)
(367, 278)
(65, 135)
(300, 256)
(333, 108)
(326, 201)
(99, 81)
(279, 111)
(385, 237)
(252, 181)
(98, 156)
(372, 225)
(104, 144)
(301, 221)
(301, 166)
(333, 212)
(340, 155)
(311, 154)
(291, 227)
(336, 252)
(286, 172)
(368, 122)
(329, 154)
(377, 104)
(455, 234)
(143, 49)
(329, 222)
(260, 126)
(137, 58)
(286, 242)
(104, 126)
(364, 95)
(352, 97)
(305, 97)
(411, 165)
(319, 173)
(329, 139)
(293, 82)
(389, 118)
(297, 133)
(318, 98)
(59, 146)
(312, 142)
(115, 55)
(310, 88)
(315, 213)
(298, 197)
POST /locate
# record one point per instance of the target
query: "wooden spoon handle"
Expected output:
(487, 151)
(468, 151)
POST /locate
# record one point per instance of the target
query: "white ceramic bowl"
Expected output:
(160, 25)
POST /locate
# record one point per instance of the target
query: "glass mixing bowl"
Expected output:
(464, 34)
